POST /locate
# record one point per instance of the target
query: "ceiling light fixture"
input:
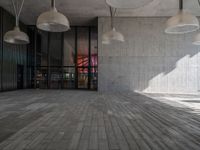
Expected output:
(128, 3)
(112, 35)
(52, 20)
(16, 36)
(196, 40)
(197, 37)
(183, 22)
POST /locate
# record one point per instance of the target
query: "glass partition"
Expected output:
(69, 48)
(82, 78)
(69, 77)
(93, 78)
(55, 49)
(94, 47)
(83, 47)
(42, 77)
(66, 60)
(55, 78)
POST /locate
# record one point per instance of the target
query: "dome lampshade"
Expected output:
(197, 40)
(128, 3)
(53, 21)
(112, 35)
(16, 36)
(183, 22)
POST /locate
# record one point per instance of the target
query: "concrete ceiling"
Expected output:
(84, 12)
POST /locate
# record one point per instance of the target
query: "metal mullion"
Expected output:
(35, 56)
(62, 59)
(89, 61)
(1, 17)
(76, 60)
(48, 61)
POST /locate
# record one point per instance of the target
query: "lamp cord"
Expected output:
(17, 9)
(53, 3)
(112, 14)
(181, 4)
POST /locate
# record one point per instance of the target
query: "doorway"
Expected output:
(20, 76)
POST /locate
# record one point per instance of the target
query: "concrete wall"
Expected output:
(149, 60)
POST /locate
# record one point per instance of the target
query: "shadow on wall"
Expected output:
(149, 60)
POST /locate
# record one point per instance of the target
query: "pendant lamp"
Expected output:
(196, 40)
(183, 22)
(16, 36)
(112, 35)
(52, 20)
(133, 4)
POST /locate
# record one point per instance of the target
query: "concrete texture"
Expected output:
(82, 120)
(83, 12)
(149, 60)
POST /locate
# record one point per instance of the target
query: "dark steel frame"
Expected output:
(18, 55)
(76, 67)
(1, 34)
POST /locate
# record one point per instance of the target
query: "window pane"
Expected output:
(69, 48)
(82, 78)
(83, 47)
(44, 48)
(69, 77)
(94, 46)
(55, 47)
(42, 77)
(94, 77)
(38, 49)
(55, 78)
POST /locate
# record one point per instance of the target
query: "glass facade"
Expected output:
(64, 60)
(13, 58)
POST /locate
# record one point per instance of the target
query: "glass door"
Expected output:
(83, 78)
(68, 78)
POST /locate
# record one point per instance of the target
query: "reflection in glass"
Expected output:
(69, 78)
(44, 48)
(82, 78)
(39, 49)
(69, 66)
(94, 46)
(69, 48)
(93, 78)
(42, 77)
(83, 47)
(55, 78)
(55, 49)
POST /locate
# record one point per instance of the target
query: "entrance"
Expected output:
(20, 76)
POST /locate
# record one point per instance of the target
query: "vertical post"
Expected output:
(76, 60)
(62, 59)
(1, 34)
(97, 57)
(89, 61)
(48, 61)
(35, 55)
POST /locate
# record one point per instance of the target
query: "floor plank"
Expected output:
(86, 120)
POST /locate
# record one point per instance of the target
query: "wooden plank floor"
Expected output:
(83, 120)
